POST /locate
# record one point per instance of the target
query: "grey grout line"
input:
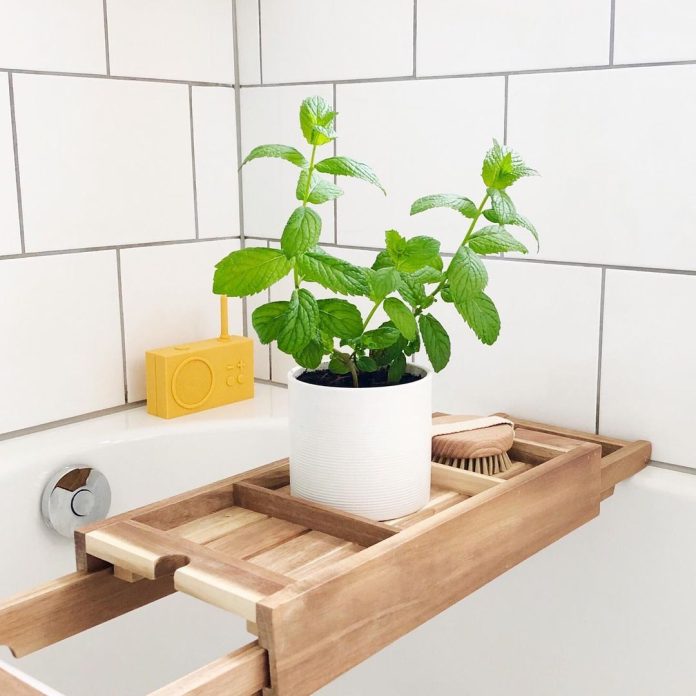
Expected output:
(550, 262)
(602, 294)
(193, 163)
(238, 125)
(498, 73)
(15, 149)
(335, 152)
(123, 324)
(111, 247)
(106, 37)
(672, 467)
(260, 47)
(270, 382)
(130, 78)
(69, 421)
(415, 35)
(612, 30)
(505, 109)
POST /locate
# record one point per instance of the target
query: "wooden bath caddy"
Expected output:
(322, 589)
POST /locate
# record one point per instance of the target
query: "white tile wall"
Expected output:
(215, 139)
(174, 39)
(308, 40)
(49, 35)
(249, 48)
(649, 363)
(420, 137)
(544, 365)
(615, 151)
(496, 35)
(61, 346)
(111, 165)
(9, 220)
(167, 299)
(271, 115)
(652, 32)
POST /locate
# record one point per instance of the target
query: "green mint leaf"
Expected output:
(463, 205)
(502, 167)
(412, 347)
(311, 355)
(395, 245)
(332, 273)
(446, 294)
(412, 290)
(481, 315)
(436, 341)
(467, 275)
(517, 221)
(493, 240)
(383, 260)
(339, 363)
(316, 121)
(301, 322)
(402, 317)
(397, 369)
(289, 154)
(301, 232)
(340, 318)
(344, 166)
(366, 364)
(382, 282)
(427, 274)
(418, 252)
(268, 320)
(320, 190)
(383, 337)
(248, 271)
(503, 206)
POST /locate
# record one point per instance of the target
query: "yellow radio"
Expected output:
(195, 376)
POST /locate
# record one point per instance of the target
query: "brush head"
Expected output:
(472, 444)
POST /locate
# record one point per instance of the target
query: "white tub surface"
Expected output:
(607, 611)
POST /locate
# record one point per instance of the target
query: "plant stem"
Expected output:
(310, 170)
(352, 357)
(468, 234)
(371, 314)
(354, 372)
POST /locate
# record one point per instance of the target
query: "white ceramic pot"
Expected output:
(365, 451)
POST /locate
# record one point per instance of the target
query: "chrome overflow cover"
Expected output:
(74, 497)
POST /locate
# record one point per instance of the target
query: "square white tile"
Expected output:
(422, 137)
(103, 162)
(481, 36)
(58, 36)
(248, 44)
(172, 39)
(9, 217)
(281, 363)
(648, 364)
(613, 163)
(648, 32)
(168, 299)
(308, 40)
(271, 115)
(215, 140)
(544, 364)
(61, 349)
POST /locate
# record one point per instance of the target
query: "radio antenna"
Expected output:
(224, 322)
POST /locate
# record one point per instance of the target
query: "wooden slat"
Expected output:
(621, 464)
(440, 500)
(361, 604)
(608, 444)
(13, 686)
(219, 524)
(467, 482)
(313, 515)
(258, 537)
(69, 605)
(308, 549)
(241, 673)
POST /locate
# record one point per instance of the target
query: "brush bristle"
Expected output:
(490, 466)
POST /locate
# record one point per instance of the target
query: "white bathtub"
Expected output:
(608, 611)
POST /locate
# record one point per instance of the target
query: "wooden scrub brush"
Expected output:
(476, 444)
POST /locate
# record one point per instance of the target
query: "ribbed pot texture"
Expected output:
(365, 451)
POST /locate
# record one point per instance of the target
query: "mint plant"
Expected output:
(407, 278)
